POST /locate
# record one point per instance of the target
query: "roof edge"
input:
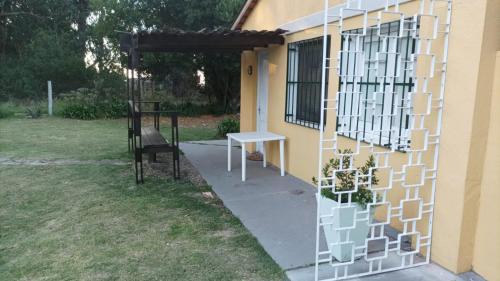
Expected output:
(245, 11)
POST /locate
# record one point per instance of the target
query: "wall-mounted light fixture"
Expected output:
(250, 70)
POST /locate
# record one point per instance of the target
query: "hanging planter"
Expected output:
(342, 226)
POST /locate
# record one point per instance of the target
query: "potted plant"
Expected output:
(335, 212)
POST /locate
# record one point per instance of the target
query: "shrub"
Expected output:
(87, 104)
(79, 111)
(346, 180)
(7, 110)
(227, 126)
(34, 111)
(79, 104)
(112, 108)
(192, 109)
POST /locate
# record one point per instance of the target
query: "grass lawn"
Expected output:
(194, 134)
(91, 222)
(57, 138)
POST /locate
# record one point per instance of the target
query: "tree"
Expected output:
(51, 56)
(53, 39)
(222, 79)
(221, 71)
(41, 40)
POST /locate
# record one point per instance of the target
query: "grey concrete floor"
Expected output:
(280, 213)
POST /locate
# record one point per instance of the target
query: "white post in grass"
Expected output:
(49, 90)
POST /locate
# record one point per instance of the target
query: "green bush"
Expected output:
(346, 179)
(227, 126)
(79, 111)
(111, 109)
(7, 110)
(88, 104)
(192, 109)
(34, 111)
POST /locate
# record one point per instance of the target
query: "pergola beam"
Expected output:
(200, 41)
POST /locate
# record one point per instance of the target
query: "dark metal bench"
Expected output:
(149, 140)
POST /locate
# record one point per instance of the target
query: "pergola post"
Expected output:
(203, 41)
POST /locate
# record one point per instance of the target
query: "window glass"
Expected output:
(374, 84)
(303, 98)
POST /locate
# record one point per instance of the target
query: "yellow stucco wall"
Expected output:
(473, 45)
(487, 242)
(281, 11)
(462, 151)
(248, 99)
(465, 124)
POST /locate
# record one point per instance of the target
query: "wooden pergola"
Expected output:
(148, 140)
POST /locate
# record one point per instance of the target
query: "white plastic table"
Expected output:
(251, 137)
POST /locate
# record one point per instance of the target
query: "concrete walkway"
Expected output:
(279, 212)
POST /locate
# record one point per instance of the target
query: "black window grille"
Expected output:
(378, 111)
(303, 95)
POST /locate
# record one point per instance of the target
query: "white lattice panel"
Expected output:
(411, 49)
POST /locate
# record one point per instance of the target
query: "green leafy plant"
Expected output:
(112, 108)
(89, 104)
(79, 111)
(34, 111)
(227, 126)
(192, 109)
(346, 179)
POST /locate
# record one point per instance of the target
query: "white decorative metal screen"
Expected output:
(390, 62)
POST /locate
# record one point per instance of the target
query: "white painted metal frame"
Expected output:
(262, 95)
(428, 64)
(317, 19)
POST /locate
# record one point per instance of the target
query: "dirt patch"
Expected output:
(163, 168)
(205, 121)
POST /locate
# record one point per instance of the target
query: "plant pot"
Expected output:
(338, 216)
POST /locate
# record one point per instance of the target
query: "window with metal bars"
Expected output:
(374, 86)
(303, 95)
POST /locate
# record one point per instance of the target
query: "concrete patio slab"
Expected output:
(430, 272)
(275, 209)
(280, 212)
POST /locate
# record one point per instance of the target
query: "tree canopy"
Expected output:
(74, 43)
